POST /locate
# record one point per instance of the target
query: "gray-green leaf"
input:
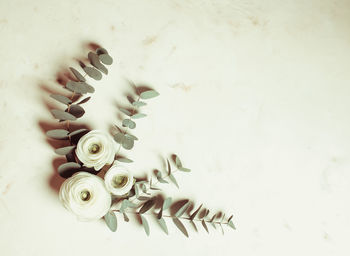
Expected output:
(60, 114)
(64, 150)
(180, 226)
(68, 169)
(159, 177)
(76, 110)
(128, 143)
(172, 178)
(124, 160)
(106, 59)
(131, 136)
(95, 61)
(111, 221)
(148, 94)
(119, 137)
(145, 224)
(139, 104)
(138, 116)
(230, 223)
(125, 111)
(57, 134)
(93, 73)
(146, 206)
(178, 162)
(163, 225)
(129, 123)
(61, 98)
(183, 169)
(76, 73)
(182, 210)
(205, 226)
(167, 203)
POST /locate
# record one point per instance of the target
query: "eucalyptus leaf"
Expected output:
(178, 162)
(125, 111)
(230, 223)
(145, 224)
(146, 206)
(139, 104)
(77, 132)
(123, 206)
(124, 160)
(105, 59)
(77, 87)
(126, 218)
(119, 137)
(194, 225)
(60, 114)
(159, 177)
(163, 225)
(95, 61)
(68, 169)
(61, 98)
(64, 150)
(180, 226)
(131, 136)
(111, 220)
(84, 100)
(172, 178)
(76, 110)
(77, 74)
(93, 73)
(129, 123)
(57, 134)
(193, 215)
(138, 116)
(182, 210)
(148, 94)
(101, 50)
(167, 203)
(128, 143)
(205, 226)
(183, 169)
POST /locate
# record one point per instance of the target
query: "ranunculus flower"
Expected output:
(118, 180)
(96, 149)
(86, 196)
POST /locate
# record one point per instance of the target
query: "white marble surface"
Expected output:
(254, 98)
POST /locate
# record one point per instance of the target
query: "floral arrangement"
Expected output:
(97, 185)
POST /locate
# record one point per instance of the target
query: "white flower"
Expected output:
(96, 149)
(119, 180)
(85, 195)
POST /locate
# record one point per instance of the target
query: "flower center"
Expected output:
(120, 181)
(94, 148)
(85, 195)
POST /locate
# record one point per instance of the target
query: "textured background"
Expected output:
(254, 98)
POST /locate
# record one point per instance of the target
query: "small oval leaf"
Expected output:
(76, 110)
(61, 98)
(128, 143)
(125, 111)
(76, 73)
(60, 114)
(111, 221)
(57, 134)
(139, 104)
(138, 116)
(119, 137)
(93, 73)
(64, 150)
(149, 94)
(68, 169)
(105, 59)
(95, 61)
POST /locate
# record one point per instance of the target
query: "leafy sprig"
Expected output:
(78, 87)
